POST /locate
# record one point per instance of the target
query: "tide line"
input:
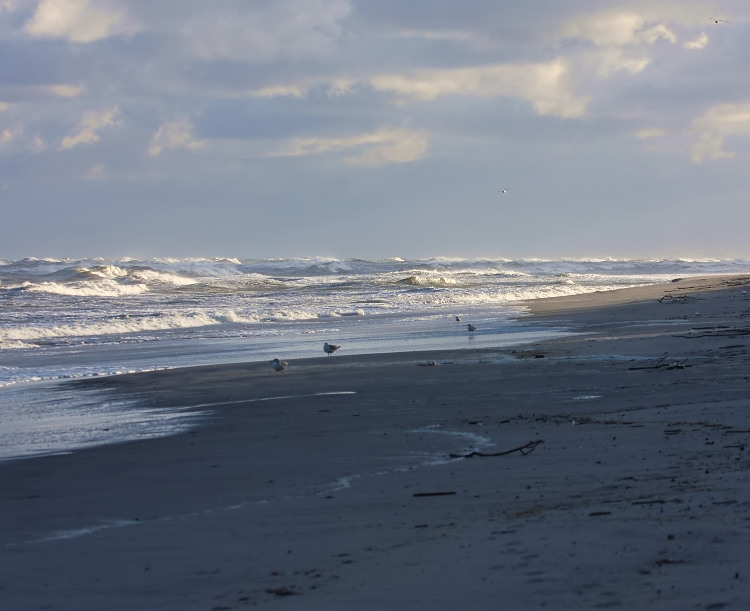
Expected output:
(257, 399)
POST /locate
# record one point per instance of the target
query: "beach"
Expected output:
(604, 469)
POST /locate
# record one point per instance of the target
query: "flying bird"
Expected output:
(715, 20)
(503, 191)
(279, 365)
(471, 328)
(329, 349)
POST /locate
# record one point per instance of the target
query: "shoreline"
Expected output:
(331, 485)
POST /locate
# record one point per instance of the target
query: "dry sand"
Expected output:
(633, 491)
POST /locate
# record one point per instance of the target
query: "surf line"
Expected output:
(257, 399)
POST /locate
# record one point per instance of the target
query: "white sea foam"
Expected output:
(49, 303)
(102, 288)
(126, 324)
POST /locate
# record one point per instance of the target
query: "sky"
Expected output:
(374, 128)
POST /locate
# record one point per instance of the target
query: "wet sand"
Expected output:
(605, 469)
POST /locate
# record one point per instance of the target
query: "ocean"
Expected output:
(62, 319)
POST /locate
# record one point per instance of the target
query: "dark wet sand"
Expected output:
(332, 486)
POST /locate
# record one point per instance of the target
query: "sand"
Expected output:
(620, 478)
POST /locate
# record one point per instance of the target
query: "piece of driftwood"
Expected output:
(524, 449)
(656, 502)
(441, 493)
(662, 362)
(282, 591)
(674, 298)
(718, 332)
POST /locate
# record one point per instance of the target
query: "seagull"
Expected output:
(471, 328)
(329, 349)
(458, 319)
(715, 20)
(279, 365)
(503, 191)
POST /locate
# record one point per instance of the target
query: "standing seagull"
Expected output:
(471, 328)
(329, 349)
(279, 365)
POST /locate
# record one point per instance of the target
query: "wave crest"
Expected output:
(428, 281)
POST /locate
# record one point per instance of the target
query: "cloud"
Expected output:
(87, 128)
(382, 147)
(614, 59)
(7, 137)
(78, 20)
(620, 38)
(64, 91)
(545, 85)
(13, 138)
(656, 33)
(650, 132)
(698, 43)
(295, 91)
(173, 135)
(615, 28)
(605, 29)
(717, 124)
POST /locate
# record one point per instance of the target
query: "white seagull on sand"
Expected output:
(471, 328)
(279, 365)
(329, 349)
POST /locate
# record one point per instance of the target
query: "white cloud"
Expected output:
(294, 91)
(656, 33)
(64, 91)
(14, 139)
(620, 37)
(612, 59)
(717, 124)
(334, 88)
(7, 137)
(78, 20)
(699, 43)
(650, 132)
(616, 28)
(87, 128)
(607, 28)
(377, 148)
(545, 85)
(176, 134)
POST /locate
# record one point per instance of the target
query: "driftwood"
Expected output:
(524, 449)
(674, 298)
(717, 332)
(282, 591)
(443, 493)
(662, 363)
(656, 502)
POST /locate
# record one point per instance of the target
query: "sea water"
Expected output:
(64, 319)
